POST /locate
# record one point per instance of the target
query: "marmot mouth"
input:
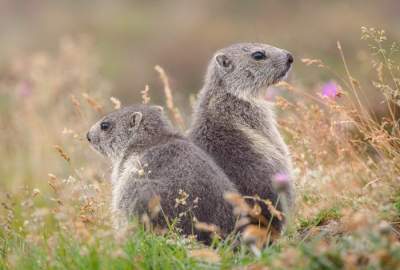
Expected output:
(282, 75)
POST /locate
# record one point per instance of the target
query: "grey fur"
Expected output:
(150, 158)
(236, 126)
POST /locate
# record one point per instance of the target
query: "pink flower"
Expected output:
(272, 92)
(24, 89)
(281, 181)
(330, 90)
(281, 178)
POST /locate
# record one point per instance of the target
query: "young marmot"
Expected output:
(236, 126)
(149, 159)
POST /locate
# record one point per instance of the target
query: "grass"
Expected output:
(142, 250)
(396, 203)
(321, 218)
(55, 191)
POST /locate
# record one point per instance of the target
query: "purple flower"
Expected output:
(272, 92)
(281, 182)
(281, 178)
(330, 90)
(24, 89)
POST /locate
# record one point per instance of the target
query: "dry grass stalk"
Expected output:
(169, 98)
(255, 235)
(286, 85)
(52, 176)
(242, 209)
(93, 103)
(145, 220)
(274, 212)
(243, 221)
(182, 198)
(77, 105)
(259, 236)
(52, 184)
(256, 210)
(154, 206)
(62, 153)
(35, 192)
(310, 62)
(205, 254)
(145, 94)
(272, 209)
(353, 83)
(116, 102)
(255, 266)
(205, 227)
(238, 202)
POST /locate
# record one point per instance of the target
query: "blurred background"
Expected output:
(131, 37)
(61, 61)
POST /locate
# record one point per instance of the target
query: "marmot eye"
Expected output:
(259, 55)
(105, 126)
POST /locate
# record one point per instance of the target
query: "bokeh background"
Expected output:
(61, 61)
(131, 37)
(66, 63)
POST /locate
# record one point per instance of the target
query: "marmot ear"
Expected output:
(224, 62)
(135, 120)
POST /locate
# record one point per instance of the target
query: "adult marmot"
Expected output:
(236, 126)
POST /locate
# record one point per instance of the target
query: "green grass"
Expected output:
(145, 250)
(396, 203)
(321, 218)
(142, 251)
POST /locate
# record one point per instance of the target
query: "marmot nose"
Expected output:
(88, 137)
(290, 58)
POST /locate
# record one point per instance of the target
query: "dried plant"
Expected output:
(145, 94)
(169, 98)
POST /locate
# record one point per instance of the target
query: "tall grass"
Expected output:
(55, 190)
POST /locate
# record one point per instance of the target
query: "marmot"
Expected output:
(149, 159)
(236, 126)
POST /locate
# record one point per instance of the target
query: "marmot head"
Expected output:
(248, 67)
(135, 128)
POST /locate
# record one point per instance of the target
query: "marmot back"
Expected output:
(236, 126)
(151, 159)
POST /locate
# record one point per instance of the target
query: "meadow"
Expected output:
(55, 191)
